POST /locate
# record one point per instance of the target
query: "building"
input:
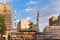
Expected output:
(54, 22)
(52, 32)
(23, 24)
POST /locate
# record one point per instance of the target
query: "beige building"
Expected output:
(6, 10)
(23, 24)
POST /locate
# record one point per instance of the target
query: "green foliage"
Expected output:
(2, 24)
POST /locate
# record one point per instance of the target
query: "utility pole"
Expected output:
(37, 19)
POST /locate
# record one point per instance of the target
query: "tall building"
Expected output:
(6, 10)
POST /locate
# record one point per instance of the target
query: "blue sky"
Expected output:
(28, 8)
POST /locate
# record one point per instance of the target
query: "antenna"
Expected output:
(4, 1)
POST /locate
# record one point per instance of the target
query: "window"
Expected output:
(5, 10)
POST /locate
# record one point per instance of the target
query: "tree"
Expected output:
(2, 24)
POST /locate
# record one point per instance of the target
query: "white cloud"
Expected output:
(31, 2)
(28, 9)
